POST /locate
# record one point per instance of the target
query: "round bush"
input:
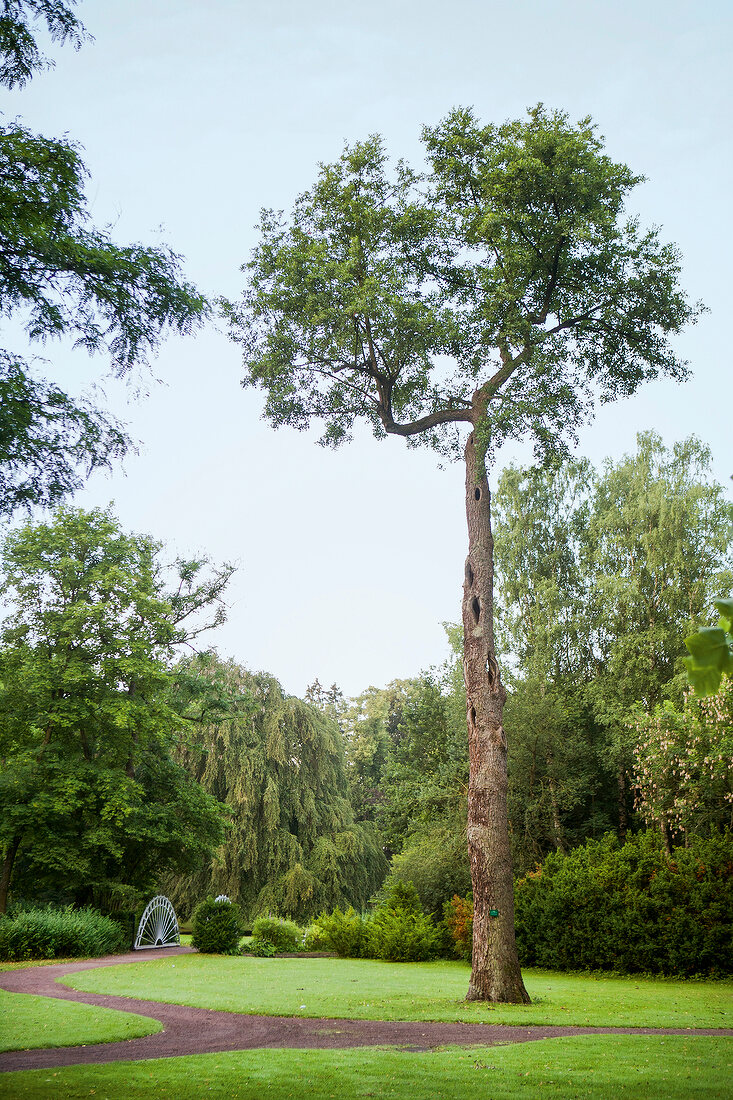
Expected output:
(217, 926)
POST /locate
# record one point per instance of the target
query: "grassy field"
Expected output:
(27, 1022)
(367, 989)
(564, 1069)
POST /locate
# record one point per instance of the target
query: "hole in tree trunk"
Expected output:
(476, 608)
(473, 716)
(477, 494)
(469, 573)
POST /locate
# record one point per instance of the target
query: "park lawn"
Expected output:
(371, 990)
(27, 1022)
(603, 1068)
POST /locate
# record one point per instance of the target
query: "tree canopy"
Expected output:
(279, 766)
(90, 796)
(63, 277)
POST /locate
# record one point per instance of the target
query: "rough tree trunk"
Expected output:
(7, 871)
(495, 975)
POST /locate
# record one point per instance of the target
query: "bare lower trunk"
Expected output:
(495, 975)
(7, 872)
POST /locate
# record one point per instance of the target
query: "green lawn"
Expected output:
(27, 1022)
(366, 989)
(597, 1068)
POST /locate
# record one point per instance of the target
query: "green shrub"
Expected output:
(59, 933)
(217, 926)
(315, 939)
(400, 935)
(630, 908)
(261, 949)
(398, 894)
(345, 933)
(284, 935)
(436, 862)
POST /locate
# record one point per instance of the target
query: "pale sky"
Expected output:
(193, 116)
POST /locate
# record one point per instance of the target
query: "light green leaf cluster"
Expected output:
(712, 652)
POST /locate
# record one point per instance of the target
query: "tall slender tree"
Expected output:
(501, 292)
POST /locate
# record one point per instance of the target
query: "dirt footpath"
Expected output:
(202, 1031)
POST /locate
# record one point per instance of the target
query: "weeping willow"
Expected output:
(293, 847)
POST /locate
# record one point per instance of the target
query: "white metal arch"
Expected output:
(158, 925)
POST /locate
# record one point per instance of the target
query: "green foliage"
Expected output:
(284, 935)
(217, 926)
(346, 933)
(402, 935)
(20, 56)
(598, 576)
(511, 257)
(683, 764)
(59, 933)
(436, 863)
(395, 893)
(66, 278)
(294, 848)
(89, 709)
(630, 909)
(315, 939)
(260, 949)
(712, 652)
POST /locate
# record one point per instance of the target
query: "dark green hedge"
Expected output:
(630, 908)
(217, 926)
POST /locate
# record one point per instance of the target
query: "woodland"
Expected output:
(134, 759)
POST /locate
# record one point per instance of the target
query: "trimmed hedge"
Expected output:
(630, 908)
(217, 926)
(59, 933)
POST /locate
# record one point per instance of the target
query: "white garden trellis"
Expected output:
(158, 925)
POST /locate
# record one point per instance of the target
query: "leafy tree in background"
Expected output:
(504, 291)
(294, 847)
(658, 548)
(90, 797)
(683, 765)
(64, 278)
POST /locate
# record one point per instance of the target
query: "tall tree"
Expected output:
(501, 292)
(63, 277)
(89, 794)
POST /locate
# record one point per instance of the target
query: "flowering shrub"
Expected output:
(683, 762)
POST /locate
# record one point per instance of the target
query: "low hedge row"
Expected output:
(59, 933)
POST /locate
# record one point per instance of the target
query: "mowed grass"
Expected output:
(672, 1068)
(27, 1022)
(367, 989)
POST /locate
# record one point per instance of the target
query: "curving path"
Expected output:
(203, 1031)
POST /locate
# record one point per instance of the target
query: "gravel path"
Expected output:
(201, 1031)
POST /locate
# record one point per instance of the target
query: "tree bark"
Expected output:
(7, 872)
(495, 974)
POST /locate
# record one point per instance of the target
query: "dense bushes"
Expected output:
(630, 908)
(284, 935)
(217, 926)
(59, 933)
(397, 930)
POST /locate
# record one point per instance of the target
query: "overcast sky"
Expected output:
(193, 116)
